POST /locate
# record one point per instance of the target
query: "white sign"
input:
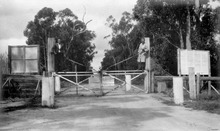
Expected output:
(198, 59)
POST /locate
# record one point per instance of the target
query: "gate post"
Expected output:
(50, 56)
(178, 90)
(128, 82)
(147, 80)
(47, 91)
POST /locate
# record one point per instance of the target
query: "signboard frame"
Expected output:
(22, 59)
(199, 59)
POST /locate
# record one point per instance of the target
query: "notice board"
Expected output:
(199, 59)
(23, 59)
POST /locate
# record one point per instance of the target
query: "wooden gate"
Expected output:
(104, 82)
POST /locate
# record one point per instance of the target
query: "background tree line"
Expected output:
(170, 24)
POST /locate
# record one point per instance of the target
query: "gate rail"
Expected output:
(111, 74)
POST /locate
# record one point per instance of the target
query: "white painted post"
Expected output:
(48, 91)
(178, 90)
(128, 82)
(57, 84)
(192, 83)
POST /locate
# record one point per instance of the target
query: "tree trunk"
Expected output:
(217, 26)
(188, 31)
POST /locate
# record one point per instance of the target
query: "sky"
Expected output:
(15, 15)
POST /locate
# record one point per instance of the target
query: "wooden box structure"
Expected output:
(24, 59)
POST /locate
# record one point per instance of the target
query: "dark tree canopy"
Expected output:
(168, 23)
(73, 33)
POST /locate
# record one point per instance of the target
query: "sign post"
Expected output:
(192, 62)
(147, 80)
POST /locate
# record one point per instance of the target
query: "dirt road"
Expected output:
(121, 112)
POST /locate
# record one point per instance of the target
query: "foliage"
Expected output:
(64, 25)
(205, 102)
(4, 63)
(124, 41)
(168, 28)
(166, 22)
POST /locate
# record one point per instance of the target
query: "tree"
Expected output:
(124, 43)
(72, 32)
(168, 22)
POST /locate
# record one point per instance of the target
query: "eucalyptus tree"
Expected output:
(175, 24)
(123, 42)
(73, 33)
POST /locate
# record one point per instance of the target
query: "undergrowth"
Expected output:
(205, 102)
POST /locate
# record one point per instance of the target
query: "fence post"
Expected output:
(192, 83)
(101, 82)
(209, 88)
(178, 90)
(197, 84)
(48, 91)
(128, 82)
(57, 84)
(152, 82)
(1, 89)
(146, 82)
(77, 89)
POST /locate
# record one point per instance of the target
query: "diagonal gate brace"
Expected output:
(76, 84)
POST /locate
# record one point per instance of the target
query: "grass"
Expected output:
(204, 102)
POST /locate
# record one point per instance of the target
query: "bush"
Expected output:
(4, 63)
